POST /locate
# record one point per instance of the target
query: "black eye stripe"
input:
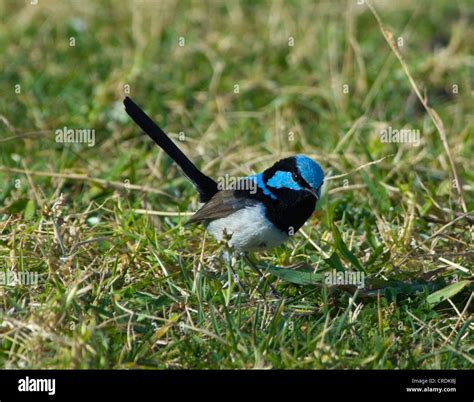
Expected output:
(285, 165)
(302, 182)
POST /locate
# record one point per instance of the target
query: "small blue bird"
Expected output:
(260, 211)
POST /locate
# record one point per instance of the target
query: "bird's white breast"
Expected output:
(250, 229)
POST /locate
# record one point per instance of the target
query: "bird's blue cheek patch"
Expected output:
(283, 180)
(262, 186)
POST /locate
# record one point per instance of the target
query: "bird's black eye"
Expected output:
(298, 179)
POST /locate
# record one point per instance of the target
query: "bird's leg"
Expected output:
(235, 277)
(257, 270)
(229, 259)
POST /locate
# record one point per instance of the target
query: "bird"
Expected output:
(258, 212)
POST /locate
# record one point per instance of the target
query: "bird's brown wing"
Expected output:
(222, 204)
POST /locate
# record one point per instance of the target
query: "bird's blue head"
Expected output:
(298, 173)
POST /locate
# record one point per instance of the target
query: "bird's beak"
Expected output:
(313, 192)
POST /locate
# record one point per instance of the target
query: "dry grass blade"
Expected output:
(431, 112)
(84, 177)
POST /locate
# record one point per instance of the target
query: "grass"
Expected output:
(119, 288)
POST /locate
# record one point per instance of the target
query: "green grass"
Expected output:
(122, 289)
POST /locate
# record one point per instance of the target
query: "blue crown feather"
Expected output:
(310, 171)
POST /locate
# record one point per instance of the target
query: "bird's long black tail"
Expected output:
(205, 186)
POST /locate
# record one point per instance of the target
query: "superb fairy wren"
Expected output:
(260, 211)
